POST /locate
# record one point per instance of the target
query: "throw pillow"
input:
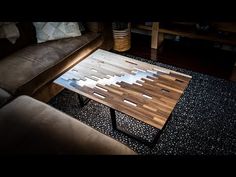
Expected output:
(46, 31)
(9, 31)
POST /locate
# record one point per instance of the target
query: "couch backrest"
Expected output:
(27, 37)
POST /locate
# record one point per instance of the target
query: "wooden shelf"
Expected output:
(192, 33)
(144, 27)
(158, 30)
(141, 29)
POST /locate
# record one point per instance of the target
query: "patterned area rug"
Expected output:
(203, 121)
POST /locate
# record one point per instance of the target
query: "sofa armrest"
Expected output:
(28, 126)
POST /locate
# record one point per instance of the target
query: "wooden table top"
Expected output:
(146, 92)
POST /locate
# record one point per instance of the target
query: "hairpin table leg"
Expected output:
(121, 129)
(82, 101)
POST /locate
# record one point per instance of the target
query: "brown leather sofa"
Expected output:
(28, 68)
(28, 126)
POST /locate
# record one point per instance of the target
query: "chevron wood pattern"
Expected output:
(146, 92)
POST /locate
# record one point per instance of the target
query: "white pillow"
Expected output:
(46, 31)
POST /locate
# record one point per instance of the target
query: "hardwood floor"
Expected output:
(198, 56)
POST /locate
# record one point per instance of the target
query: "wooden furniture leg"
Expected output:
(157, 37)
(155, 29)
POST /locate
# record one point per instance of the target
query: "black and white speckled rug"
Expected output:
(203, 121)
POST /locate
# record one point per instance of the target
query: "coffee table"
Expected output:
(143, 91)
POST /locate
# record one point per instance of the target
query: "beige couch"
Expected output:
(28, 126)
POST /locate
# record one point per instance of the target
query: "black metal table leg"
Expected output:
(119, 128)
(156, 138)
(82, 101)
(113, 118)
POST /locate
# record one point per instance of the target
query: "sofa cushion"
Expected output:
(46, 31)
(28, 126)
(28, 69)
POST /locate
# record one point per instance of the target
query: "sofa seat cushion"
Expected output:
(30, 126)
(25, 71)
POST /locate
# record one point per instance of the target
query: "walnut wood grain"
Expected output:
(146, 92)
